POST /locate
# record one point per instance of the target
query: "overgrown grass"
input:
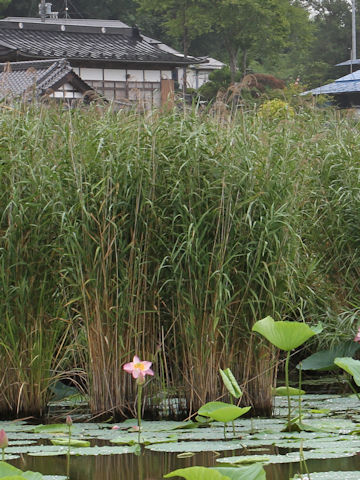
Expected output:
(168, 236)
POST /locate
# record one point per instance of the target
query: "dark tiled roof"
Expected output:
(49, 41)
(36, 78)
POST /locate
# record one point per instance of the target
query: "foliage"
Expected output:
(253, 472)
(284, 335)
(276, 110)
(351, 366)
(185, 19)
(222, 412)
(324, 359)
(108, 247)
(230, 383)
(8, 471)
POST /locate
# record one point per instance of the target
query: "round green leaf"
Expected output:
(284, 335)
(209, 407)
(72, 443)
(350, 366)
(253, 472)
(197, 473)
(228, 413)
(291, 392)
(324, 360)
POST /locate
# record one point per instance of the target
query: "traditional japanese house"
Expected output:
(108, 55)
(50, 79)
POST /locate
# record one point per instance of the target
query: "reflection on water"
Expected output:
(153, 465)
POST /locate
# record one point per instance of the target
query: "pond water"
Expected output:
(330, 444)
(152, 466)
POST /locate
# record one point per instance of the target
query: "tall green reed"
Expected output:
(167, 236)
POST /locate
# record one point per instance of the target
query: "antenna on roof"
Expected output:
(66, 9)
(42, 10)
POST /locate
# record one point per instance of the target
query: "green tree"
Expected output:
(3, 5)
(181, 19)
(332, 21)
(249, 25)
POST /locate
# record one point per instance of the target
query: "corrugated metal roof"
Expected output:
(349, 62)
(347, 84)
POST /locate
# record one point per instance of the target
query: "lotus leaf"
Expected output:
(222, 412)
(229, 413)
(52, 428)
(13, 477)
(253, 472)
(9, 471)
(197, 473)
(230, 383)
(209, 407)
(324, 360)
(350, 366)
(354, 475)
(72, 443)
(284, 335)
(284, 392)
(216, 446)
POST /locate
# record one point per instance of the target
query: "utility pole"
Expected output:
(353, 31)
(42, 10)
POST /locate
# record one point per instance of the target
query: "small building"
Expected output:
(111, 57)
(345, 90)
(197, 72)
(42, 78)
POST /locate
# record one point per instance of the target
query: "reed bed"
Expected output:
(168, 236)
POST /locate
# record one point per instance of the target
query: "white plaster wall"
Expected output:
(114, 75)
(60, 94)
(91, 73)
(152, 75)
(135, 75)
(67, 86)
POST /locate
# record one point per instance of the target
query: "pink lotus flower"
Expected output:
(115, 427)
(4, 442)
(134, 428)
(357, 336)
(138, 369)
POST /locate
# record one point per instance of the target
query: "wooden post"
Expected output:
(167, 93)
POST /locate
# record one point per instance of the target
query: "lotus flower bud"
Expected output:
(69, 421)
(4, 442)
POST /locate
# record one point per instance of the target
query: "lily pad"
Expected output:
(253, 472)
(70, 443)
(53, 428)
(284, 392)
(197, 473)
(178, 447)
(329, 476)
